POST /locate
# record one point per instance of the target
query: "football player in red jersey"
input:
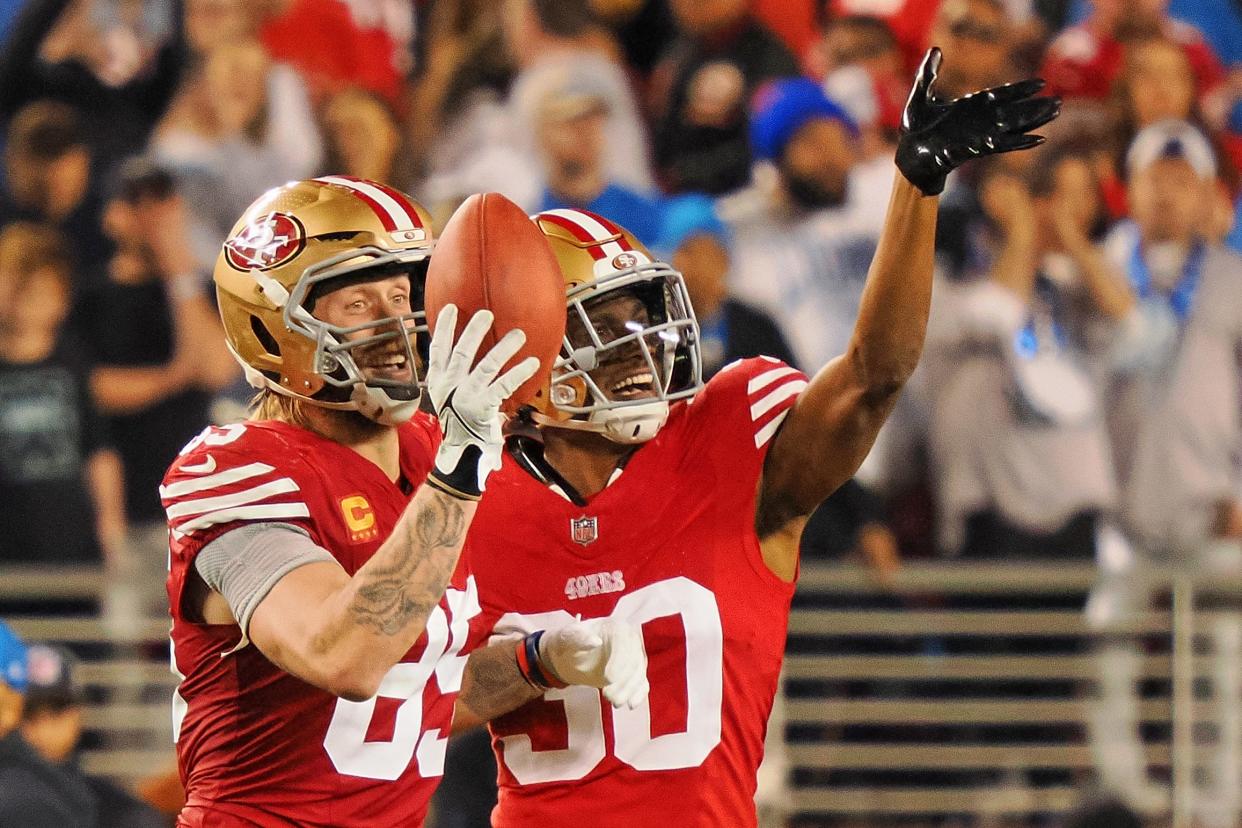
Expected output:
(636, 495)
(319, 609)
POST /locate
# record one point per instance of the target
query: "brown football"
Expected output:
(491, 255)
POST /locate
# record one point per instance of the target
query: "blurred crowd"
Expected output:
(1080, 394)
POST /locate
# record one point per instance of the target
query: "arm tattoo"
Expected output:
(492, 685)
(412, 579)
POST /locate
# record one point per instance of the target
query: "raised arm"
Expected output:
(834, 422)
(344, 633)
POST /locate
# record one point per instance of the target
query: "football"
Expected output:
(491, 255)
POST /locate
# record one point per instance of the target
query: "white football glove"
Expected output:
(601, 653)
(467, 402)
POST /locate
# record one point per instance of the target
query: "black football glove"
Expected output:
(937, 137)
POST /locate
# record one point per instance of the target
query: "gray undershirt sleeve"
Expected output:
(244, 564)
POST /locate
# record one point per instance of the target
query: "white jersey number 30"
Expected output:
(632, 739)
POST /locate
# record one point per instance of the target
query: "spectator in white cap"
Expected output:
(1173, 410)
(571, 124)
(1176, 428)
(552, 39)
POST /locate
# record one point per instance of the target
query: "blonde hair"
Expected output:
(345, 427)
(270, 405)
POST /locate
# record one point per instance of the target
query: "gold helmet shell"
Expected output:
(598, 260)
(292, 240)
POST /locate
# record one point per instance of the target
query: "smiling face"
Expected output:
(383, 300)
(621, 372)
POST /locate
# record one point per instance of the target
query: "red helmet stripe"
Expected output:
(607, 224)
(392, 214)
(401, 199)
(611, 227)
(567, 222)
(385, 216)
(598, 228)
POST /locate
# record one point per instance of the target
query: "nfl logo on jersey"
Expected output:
(583, 530)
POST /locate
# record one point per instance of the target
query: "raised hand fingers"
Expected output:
(1012, 143)
(929, 69)
(919, 105)
(1010, 92)
(468, 343)
(1025, 116)
(491, 363)
(512, 380)
(442, 340)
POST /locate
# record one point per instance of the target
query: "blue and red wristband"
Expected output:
(531, 667)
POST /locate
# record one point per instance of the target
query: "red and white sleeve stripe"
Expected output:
(251, 492)
(771, 394)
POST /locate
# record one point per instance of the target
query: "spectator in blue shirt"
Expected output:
(571, 124)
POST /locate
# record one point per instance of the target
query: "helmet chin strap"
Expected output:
(372, 403)
(375, 404)
(633, 424)
(629, 425)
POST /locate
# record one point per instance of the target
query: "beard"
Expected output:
(350, 427)
(810, 193)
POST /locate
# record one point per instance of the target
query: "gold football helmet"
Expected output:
(287, 248)
(631, 341)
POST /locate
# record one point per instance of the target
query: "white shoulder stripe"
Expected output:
(267, 511)
(772, 400)
(206, 504)
(764, 434)
(768, 377)
(224, 478)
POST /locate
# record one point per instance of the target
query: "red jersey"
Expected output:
(670, 545)
(256, 745)
(1082, 63)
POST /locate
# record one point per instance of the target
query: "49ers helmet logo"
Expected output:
(624, 261)
(266, 242)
